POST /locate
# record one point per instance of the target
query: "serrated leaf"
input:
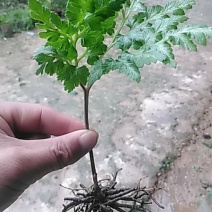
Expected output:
(94, 21)
(108, 8)
(98, 49)
(180, 4)
(40, 26)
(153, 13)
(108, 23)
(125, 64)
(72, 52)
(92, 59)
(125, 42)
(148, 56)
(179, 12)
(138, 6)
(39, 12)
(200, 38)
(151, 34)
(197, 30)
(51, 62)
(48, 34)
(44, 54)
(83, 74)
(40, 70)
(184, 41)
(74, 11)
(152, 30)
(98, 70)
(55, 20)
(68, 76)
(166, 49)
(188, 35)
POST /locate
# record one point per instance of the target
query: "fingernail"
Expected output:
(88, 140)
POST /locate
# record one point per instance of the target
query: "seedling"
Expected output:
(77, 50)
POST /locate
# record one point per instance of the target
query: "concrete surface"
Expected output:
(143, 127)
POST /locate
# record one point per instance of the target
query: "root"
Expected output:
(107, 198)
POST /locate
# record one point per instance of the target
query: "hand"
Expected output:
(23, 162)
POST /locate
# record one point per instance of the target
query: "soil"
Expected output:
(188, 183)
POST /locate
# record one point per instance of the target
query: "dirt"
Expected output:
(188, 183)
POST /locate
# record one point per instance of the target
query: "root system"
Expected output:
(107, 198)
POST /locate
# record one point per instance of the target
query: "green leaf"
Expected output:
(154, 30)
(189, 35)
(83, 74)
(146, 56)
(39, 12)
(125, 64)
(51, 62)
(98, 70)
(184, 41)
(69, 78)
(41, 69)
(166, 49)
(44, 54)
(55, 20)
(149, 37)
(92, 59)
(107, 9)
(179, 12)
(180, 4)
(72, 77)
(74, 11)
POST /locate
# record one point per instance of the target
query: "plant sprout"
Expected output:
(77, 50)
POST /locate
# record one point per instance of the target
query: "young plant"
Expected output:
(76, 52)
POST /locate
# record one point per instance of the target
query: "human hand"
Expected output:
(23, 162)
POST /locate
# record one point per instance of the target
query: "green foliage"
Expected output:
(19, 19)
(9, 4)
(209, 193)
(143, 35)
(59, 4)
(208, 144)
(167, 163)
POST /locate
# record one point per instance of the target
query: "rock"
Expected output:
(206, 136)
(30, 33)
(207, 178)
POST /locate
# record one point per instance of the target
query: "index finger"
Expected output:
(34, 118)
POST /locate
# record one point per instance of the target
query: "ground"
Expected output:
(160, 129)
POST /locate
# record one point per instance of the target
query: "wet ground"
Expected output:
(160, 128)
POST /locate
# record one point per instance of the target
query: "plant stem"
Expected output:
(92, 161)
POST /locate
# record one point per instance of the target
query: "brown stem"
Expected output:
(86, 103)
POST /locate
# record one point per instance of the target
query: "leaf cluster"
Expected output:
(143, 34)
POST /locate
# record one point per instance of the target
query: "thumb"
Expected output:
(55, 153)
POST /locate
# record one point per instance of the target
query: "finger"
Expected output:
(43, 156)
(33, 118)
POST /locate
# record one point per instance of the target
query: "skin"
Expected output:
(27, 150)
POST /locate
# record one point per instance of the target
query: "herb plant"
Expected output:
(143, 35)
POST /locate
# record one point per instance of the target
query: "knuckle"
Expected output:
(61, 154)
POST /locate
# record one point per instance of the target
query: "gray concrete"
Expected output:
(141, 126)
